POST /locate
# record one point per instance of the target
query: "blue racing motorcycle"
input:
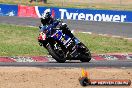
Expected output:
(61, 47)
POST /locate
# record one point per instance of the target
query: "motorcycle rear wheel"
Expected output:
(85, 56)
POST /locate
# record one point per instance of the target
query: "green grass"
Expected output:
(22, 41)
(101, 44)
(19, 41)
(113, 5)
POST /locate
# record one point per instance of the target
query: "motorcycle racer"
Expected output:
(61, 44)
(48, 21)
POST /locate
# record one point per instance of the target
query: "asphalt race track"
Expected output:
(119, 29)
(91, 64)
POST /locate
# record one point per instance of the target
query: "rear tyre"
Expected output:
(85, 55)
(56, 56)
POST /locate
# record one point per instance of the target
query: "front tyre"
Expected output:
(56, 56)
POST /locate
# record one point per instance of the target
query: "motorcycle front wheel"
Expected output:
(57, 55)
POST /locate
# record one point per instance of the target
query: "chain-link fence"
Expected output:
(99, 4)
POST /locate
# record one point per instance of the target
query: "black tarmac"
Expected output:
(117, 29)
(91, 64)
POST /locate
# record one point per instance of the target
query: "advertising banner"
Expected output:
(8, 10)
(87, 14)
(26, 11)
(66, 13)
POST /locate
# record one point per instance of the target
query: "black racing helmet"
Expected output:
(45, 19)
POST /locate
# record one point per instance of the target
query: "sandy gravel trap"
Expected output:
(35, 77)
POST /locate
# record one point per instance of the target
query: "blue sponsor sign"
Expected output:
(8, 10)
(87, 14)
(73, 13)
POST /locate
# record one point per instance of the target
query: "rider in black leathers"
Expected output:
(47, 20)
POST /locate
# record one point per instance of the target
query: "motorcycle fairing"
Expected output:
(64, 39)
